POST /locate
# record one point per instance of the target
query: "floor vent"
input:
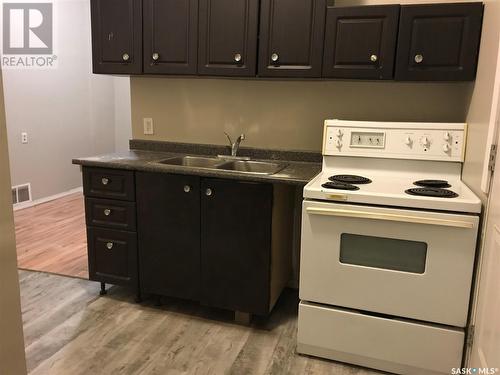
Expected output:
(21, 193)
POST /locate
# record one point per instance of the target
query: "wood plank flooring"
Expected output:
(51, 237)
(69, 329)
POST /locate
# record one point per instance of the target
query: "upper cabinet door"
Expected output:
(228, 37)
(170, 36)
(439, 42)
(117, 36)
(291, 38)
(360, 42)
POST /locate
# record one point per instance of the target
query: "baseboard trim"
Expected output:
(23, 205)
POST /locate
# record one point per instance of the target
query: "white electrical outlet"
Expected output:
(148, 126)
(24, 137)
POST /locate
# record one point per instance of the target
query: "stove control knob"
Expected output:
(425, 142)
(338, 143)
(408, 141)
(446, 148)
(340, 133)
(447, 137)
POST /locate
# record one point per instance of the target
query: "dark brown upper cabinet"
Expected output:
(116, 36)
(291, 38)
(439, 42)
(170, 36)
(228, 37)
(360, 42)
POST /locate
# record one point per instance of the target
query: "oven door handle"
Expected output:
(388, 217)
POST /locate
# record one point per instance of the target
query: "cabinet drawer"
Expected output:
(112, 256)
(110, 214)
(109, 183)
(394, 345)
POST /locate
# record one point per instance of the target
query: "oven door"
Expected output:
(406, 263)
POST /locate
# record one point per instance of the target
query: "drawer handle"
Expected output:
(208, 192)
(419, 58)
(109, 245)
(125, 57)
(237, 57)
(105, 181)
(187, 188)
(107, 212)
(373, 58)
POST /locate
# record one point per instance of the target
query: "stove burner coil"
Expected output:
(350, 179)
(433, 183)
(432, 192)
(339, 185)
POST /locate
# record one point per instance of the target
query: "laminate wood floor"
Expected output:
(51, 237)
(69, 329)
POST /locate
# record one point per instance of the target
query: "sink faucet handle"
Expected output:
(241, 137)
(229, 138)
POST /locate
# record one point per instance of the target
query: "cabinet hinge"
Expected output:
(470, 335)
(493, 157)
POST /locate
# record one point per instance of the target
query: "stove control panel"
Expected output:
(426, 141)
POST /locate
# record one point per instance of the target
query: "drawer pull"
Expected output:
(373, 58)
(187, 188)
(105, 181)
(109, 245)
(419, 58)
(208, 192)
(107, 212)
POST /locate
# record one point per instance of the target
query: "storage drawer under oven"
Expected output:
(393, 345)
(110, 213)
(407, 263)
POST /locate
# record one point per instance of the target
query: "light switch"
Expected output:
(148, 126)
(24, 137)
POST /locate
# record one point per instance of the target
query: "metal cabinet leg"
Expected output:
(242, 317)
(138, 297)
(103, 289)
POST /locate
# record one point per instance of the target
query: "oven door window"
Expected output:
(385, 253)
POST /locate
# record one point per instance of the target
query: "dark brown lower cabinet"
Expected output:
(223, 242)
(112, 256)
(168, 218)
(245, 257)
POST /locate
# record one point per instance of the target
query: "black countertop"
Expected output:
(145, 155)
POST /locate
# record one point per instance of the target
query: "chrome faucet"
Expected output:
(235, 145)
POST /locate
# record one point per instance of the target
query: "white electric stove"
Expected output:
(389, 235)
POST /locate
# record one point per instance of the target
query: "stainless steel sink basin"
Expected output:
(255, 167)
(240, 166)
(194, 161)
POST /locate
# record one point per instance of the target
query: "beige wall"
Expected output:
(282, 114)
(11, 332)
(285, 114)
(480, 107)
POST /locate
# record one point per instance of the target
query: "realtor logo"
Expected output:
(28, 35)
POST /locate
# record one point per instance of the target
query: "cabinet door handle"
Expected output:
(105, 181)
(237, 57)
(155, 56)
(208, 192)
(125, 57)
(109, 245)
(275, 57)
(419, 58)
(373, 58)
(107, 212)
(187, 188)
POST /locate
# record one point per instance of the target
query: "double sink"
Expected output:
(226, 164)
